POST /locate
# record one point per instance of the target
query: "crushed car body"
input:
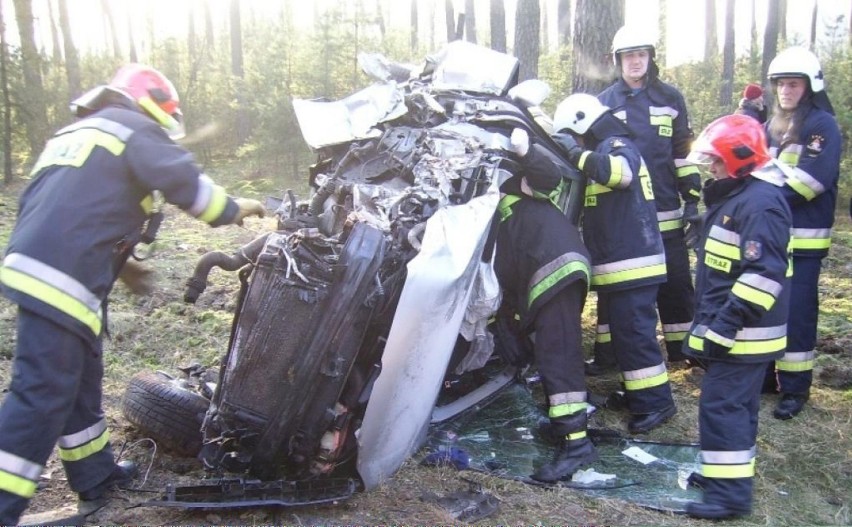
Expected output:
(362, 318)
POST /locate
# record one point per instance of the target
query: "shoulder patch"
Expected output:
(752, 250)
(815, 145)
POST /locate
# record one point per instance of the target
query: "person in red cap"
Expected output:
(752, 103)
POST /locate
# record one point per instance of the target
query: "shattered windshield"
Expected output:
(502, 439)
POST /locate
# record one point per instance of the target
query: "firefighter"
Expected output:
(742, 299)
(628, 259)
(803, 133)
(543, 269)
(89, 199)
(655, 113)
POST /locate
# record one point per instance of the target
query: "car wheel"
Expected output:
(171, 414)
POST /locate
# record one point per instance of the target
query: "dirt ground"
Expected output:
(805, 465)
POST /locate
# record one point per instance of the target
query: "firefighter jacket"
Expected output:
(539, 251)
(742, 285)
(657, 117)
(811, 187)
(91, 194)
(619, 217)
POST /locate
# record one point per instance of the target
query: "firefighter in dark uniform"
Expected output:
(656, 114)
(78, 219)
(623, 238)
(742, 299)
(803, 133)
(543, 268)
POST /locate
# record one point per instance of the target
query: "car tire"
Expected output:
(168, 412)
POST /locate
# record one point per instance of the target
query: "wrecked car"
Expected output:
(363, 318)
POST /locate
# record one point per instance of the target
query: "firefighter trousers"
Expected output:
(727, 421)
(676, 296)
(54, 396)
(633, 325)
(796, 368)
(675, 302)
(559, 353)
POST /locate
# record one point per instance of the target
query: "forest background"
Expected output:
(239, 63)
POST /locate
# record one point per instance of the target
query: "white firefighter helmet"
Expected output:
(577, 113)
(797, 62)
(630, 38)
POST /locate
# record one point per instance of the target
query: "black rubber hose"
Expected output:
(245, 255)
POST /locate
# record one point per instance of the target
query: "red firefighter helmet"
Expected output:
(738, 140)
(154, 93)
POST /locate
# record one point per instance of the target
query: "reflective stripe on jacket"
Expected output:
(659, 122)
(742, 285)
(619, 218)
(91, 191)
(812, 189)
(539, 251)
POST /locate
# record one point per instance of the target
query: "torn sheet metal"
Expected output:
(330, 123)
(422, 337)
(468, 67)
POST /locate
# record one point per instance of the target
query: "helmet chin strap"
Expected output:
(171, 125)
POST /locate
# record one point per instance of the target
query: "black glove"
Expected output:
(569, 145)
(694, 224)
(515, 348)
(714, 350)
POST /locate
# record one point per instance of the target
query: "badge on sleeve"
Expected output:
(815, 145)
(752, 250)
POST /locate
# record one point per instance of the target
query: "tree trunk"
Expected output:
(563, 24)
(662, 23)
(711, 37)
(7, 106)
(596, 22)
(72, 58)
(814, 26)
(191, 37)
(236, 40)
(134, 57)
(116, 47)
(527, 24)
(451, 20)
(32, 101)
(54, 33)
(498, 25)
(414, 26)
(753, 46)
(469, 21)
(237, 71)
(726, 92)
(209, 34)
(782, 19)
(770, 37)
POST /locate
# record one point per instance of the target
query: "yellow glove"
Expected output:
(137, 277)
(248, 207)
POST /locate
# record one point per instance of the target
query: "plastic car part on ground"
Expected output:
(502, 439)
(237, 492)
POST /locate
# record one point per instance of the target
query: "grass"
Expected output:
(804, 466)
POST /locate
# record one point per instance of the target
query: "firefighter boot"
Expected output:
(122, 474)
(571, 455)
(574, 451)
(790, 405)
